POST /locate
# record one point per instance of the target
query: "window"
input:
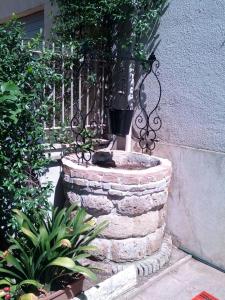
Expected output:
(33, 24)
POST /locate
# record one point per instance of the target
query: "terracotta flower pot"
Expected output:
(71, 291)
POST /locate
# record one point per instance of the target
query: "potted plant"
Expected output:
(45, 260)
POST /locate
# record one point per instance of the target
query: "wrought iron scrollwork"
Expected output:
(148, 123)
(85, 124)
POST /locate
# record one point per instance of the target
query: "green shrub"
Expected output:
(23, 107)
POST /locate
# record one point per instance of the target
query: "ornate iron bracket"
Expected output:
(148, 123)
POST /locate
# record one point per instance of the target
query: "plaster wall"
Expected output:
(191, 54)
(196, 203)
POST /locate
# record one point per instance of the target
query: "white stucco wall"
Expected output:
(192, 57)
(191, 54)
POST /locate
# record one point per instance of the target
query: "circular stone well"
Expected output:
(130, 191)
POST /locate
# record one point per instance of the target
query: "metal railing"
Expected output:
(75, 91)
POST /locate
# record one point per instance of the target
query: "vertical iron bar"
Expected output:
(42, 50)
(53, 92)
(88, 99)
(71, 87)
(63, 86)
(80, 89)
(103, 96)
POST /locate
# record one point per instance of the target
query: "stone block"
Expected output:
(145, 224)
(95, 184)
(106, 186)
(160, 198)
(129, 180)
(128, 249)
(111, 178)
(79, 181)
(134, 205)
(154, 240)
(86, 174)
(96, 205)
(116, 193)
(73, 198)
(121, 227)
(162, 215)
(103, 249)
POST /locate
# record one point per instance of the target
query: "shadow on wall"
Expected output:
(59, 197)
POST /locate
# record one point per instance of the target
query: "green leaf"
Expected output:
(31, 236)
(81, 256)
(5, 282)
(13, 274)
(38, 266)
(11, 260)
(87, 248)
(22, 218)
(86, 272)
(30, 282)
(64, 262)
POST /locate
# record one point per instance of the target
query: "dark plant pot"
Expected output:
(120, 121)
(71, 291)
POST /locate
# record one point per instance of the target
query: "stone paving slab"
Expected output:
(183, 283)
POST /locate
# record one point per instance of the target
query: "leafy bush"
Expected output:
(45, 253)
(23, 105)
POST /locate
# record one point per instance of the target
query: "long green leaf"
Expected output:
(81, 256)
(79, 219)
(44, 238)
(86, 248)
(22, 218)
(58, 217)
(30, 235)
(30, 282)
(15, 263)
(23, 255)
(86, 272)
(38, 266)
(64, 262)
(69, 264)
(4, 282)
(13, 274)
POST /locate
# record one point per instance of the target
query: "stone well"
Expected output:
(130, 191)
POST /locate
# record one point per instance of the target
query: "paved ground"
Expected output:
(184, 283)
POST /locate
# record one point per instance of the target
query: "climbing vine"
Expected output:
(103, 27)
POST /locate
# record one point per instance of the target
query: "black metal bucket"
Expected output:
(120, 121)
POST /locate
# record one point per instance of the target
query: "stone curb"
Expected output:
(112, 287)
